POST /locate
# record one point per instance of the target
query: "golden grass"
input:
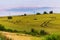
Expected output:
(25, 23)
(22, 23)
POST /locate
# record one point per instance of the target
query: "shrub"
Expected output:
(37, 13)
(51, 12)
(32, 30)
(2, 28)
(9, 30)
(33, 34)
(9, 17)
(42, 32)
(53, 37)
(45, 12)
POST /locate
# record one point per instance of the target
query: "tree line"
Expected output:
(51, 12)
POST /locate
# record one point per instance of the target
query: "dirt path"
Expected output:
(14, 36)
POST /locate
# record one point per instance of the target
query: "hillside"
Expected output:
(49, 22)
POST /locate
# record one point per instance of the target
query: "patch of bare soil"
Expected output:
(14, 36)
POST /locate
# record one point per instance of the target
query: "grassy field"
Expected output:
(49, 22)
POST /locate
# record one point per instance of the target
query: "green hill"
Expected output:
(48, 22)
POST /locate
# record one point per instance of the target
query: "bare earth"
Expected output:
(14, 36)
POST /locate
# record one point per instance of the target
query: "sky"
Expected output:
(7, 4)
(10, 4)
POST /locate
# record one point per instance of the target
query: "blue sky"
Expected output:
(6, 4)
(10, 4)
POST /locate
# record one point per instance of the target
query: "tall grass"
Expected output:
(52, 37)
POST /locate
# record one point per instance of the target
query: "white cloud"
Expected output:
(28, 3)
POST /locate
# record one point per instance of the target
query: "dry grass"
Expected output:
(25, 23)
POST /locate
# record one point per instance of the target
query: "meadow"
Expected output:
(47, 22)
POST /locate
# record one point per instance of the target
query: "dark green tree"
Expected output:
(25, 14)
(51, 12)
(45, 12)
(32, 30)
(9, 17)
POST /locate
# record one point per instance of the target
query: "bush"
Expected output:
(53, 37)
(45, 12)
(2, 28)
(9, 30)
(51, 12)
(42, 32)
(33, 32)
(9, 17)
(37, 13)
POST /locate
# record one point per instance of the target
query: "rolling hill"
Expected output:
(48, 22)
(22, 23)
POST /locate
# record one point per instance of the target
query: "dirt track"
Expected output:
(14, 36)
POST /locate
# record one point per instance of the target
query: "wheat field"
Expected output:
(49, 22)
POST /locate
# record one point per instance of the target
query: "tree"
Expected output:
(24, 14)
(45, 12)
(37, 13)
(51, 12)
(9, 17)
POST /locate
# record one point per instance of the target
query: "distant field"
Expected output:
(49, 22)
(22, 23)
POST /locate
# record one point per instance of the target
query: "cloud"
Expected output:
(7, 4)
